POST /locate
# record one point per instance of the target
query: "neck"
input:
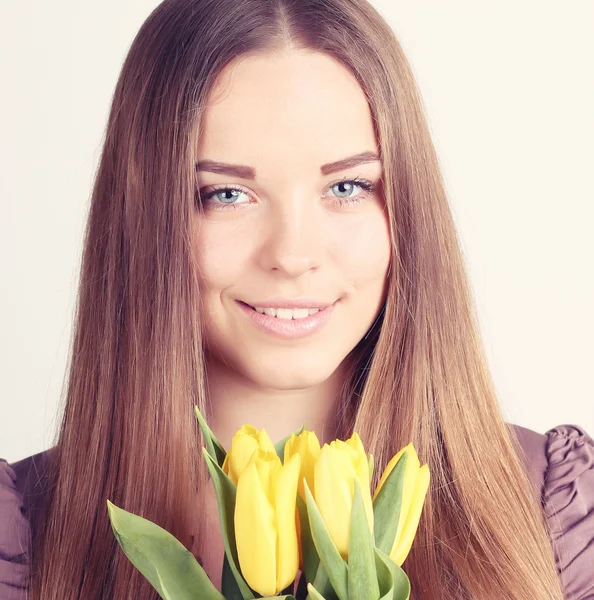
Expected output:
(236, 401)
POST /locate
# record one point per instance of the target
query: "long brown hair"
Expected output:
(136, 364)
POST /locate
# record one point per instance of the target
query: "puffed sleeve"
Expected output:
(569, 507)
(14, 537)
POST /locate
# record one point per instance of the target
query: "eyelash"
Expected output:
(365, 184)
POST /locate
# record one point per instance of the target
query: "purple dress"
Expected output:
(560, 464)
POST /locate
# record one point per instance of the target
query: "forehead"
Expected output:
(295, 106)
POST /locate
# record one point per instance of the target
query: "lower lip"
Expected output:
(289, 329)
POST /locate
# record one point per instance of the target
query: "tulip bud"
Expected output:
(415, 486)
(338, 464)
(264, 521)
(307, 445)
(243, 444)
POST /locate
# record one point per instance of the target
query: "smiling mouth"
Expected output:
(284, 313)
(288, 323)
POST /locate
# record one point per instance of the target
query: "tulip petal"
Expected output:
(307, 446)
(280, 445)
(353, 452)
(356, 444)
(285, 496)
(255, 532)
(244, 442)
(400, 552)
(333, 480)
(264, 441)
(268, 464)
(242, 448)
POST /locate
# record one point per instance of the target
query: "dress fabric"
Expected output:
(569, 508)
(14, 537)
(560, 464)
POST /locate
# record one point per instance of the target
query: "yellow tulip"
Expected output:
(307, 445)
(335, 470)
(265, 529)
(243, 444)
(415, 486)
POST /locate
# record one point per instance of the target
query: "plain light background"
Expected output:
(508, 90)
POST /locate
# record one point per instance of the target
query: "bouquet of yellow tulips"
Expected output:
(287, 507)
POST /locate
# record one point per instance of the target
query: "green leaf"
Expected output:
(394, 583)
(229, 584)
(212, 444)
(362, 576)
(385, 578)
(387, 505)
(280, 445)
(164, 592)
(334, 565)
(226, 493)
(370, 463)
(311, 559)
(323, 585)
(313, 594)
(169, 567)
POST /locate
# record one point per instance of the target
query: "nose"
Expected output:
(294, 237)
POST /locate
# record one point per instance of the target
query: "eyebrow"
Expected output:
(245, 172)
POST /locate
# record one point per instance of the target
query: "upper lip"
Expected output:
(289, 303)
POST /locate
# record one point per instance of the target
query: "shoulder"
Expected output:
(560, 463)
(23, 486)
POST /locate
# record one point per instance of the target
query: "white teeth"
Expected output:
(287, 313)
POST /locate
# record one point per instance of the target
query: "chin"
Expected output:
(276, 375)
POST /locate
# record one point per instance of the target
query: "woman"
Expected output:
(191, 271)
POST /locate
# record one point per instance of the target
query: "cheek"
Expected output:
(362, 248)
(220, 262)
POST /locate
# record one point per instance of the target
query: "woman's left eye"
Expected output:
(350, 184)
(212, 199)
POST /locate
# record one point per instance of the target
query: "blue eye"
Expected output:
(350, 184)
(229, 203)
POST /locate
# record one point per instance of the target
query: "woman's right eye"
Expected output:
(222, 200)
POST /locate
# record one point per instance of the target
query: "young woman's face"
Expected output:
(281, 226)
